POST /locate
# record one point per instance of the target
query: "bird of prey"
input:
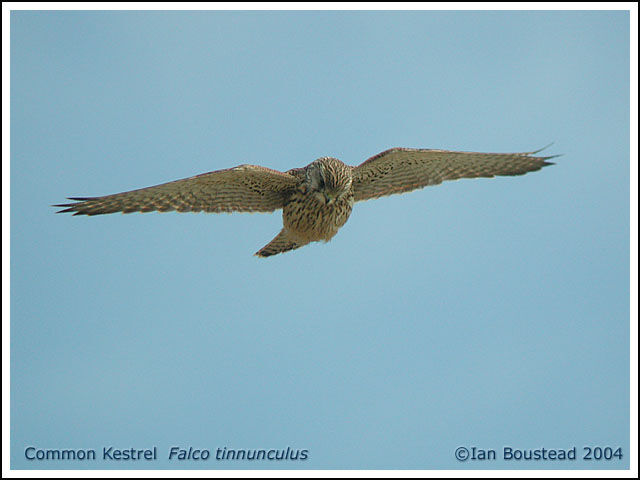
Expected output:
(315, 200)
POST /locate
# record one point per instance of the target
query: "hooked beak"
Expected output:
(329, 198)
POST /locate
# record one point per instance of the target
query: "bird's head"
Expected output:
(328, 179)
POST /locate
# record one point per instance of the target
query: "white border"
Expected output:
(391, 6)
(633, 280)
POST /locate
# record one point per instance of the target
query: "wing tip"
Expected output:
(545, 160)
(73, 207)
(547, 157)
(541, 149)
(68, 207)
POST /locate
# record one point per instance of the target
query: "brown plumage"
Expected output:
(316, 200)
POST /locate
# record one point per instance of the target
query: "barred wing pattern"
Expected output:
(401, 170)
(246, 188)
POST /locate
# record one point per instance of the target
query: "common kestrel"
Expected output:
(315, 200)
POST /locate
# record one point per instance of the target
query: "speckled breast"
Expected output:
(311, 220)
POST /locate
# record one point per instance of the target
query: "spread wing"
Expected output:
(403, 169)
(247, 188)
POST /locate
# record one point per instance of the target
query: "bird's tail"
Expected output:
(282, 243)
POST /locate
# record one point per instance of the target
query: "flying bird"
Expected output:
(316, 200)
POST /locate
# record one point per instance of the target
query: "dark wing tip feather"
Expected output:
(546, 163)
(541, 149)
(65, 210)
(67, 204)
(73, 207)
(548, 157)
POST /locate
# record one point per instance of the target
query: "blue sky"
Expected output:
(479, 313)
